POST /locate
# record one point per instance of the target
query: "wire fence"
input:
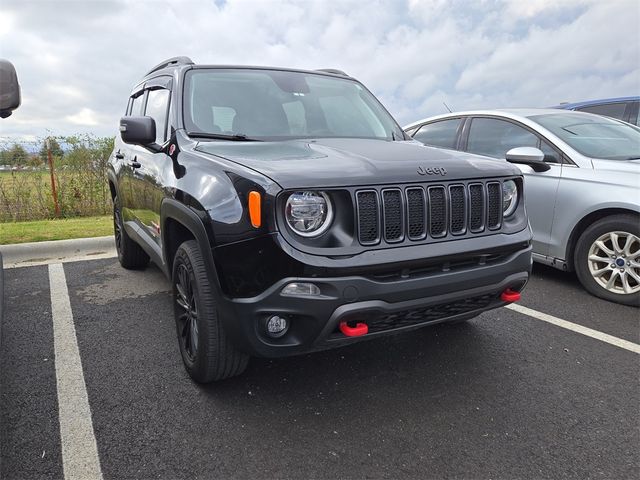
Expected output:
(79, 173)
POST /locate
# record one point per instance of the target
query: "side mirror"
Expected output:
(528, 156)
(9, 89)
(139, 131)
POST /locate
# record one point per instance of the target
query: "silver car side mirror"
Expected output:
(528, 156)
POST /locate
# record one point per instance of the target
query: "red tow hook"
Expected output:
(510, 296)
(357, 331)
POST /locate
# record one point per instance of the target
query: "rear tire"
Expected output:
(607, 259)
(206, 351)
(130, 254)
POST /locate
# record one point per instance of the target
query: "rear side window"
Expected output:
(615, 110)
(494, 138)
(158, 109)
(439, 134)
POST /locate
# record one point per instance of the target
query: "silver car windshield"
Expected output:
(593, 135)
(277, 105)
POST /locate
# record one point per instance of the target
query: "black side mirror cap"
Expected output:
(139, 131)
(528, 156)
(10, 98)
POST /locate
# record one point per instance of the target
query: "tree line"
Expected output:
(75, 150)
(80, 178)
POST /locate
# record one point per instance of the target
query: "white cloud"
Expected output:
(71, 92)
(78, 60)
(531, 8)
(85, 117)
(7, 21)
(588, 58)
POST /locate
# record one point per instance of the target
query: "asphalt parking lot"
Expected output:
(505, 396)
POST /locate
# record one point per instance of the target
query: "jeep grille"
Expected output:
(428, 211)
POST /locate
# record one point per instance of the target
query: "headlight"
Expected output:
(509, 197)
(309, 214)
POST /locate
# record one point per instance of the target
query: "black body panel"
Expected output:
(315, 163)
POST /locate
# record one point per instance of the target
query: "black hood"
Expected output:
(353, 162)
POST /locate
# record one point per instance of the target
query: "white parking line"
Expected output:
(79, 450)
(49, 261)
(603, 337)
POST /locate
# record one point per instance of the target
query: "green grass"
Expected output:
(63, 229)
(10, 176)
(26, 195)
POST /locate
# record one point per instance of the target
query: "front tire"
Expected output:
(130, 254)
(607, 259)
(206, 352)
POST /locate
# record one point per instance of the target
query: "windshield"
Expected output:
(593, 135)
(281, 105)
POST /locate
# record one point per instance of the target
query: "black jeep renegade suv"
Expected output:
(292, 214)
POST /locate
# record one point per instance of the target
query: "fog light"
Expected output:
(301, 289)
(277, 326)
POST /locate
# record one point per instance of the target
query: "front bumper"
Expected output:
(386, 304)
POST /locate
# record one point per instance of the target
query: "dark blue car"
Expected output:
(622, 108)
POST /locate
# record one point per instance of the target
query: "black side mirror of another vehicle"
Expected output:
(9, 89)
(528, 156)
(139, 131)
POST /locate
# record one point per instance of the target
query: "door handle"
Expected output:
(119, 155)
(135, 163)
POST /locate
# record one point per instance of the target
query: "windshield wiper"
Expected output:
(236, 137)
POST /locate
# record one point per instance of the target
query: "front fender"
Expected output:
(191, 220)
(221, 190)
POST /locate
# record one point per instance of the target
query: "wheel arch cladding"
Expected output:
(112, 189)
(181, 223)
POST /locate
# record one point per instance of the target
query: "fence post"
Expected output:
(53, 181)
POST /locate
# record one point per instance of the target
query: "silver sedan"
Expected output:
(582, 177)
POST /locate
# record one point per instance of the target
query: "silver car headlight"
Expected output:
(309, 214)
(509, 197)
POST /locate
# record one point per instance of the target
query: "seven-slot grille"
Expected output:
(432, 211)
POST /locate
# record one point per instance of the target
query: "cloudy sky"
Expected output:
(77, 60)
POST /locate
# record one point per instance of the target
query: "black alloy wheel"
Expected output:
(186, 314)
(117, 226)
(207, 353)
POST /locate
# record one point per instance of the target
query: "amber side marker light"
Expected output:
(255, 213)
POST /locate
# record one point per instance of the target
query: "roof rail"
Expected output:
(334, 71)
(169, 62)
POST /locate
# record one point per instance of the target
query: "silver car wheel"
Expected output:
(614, 262)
